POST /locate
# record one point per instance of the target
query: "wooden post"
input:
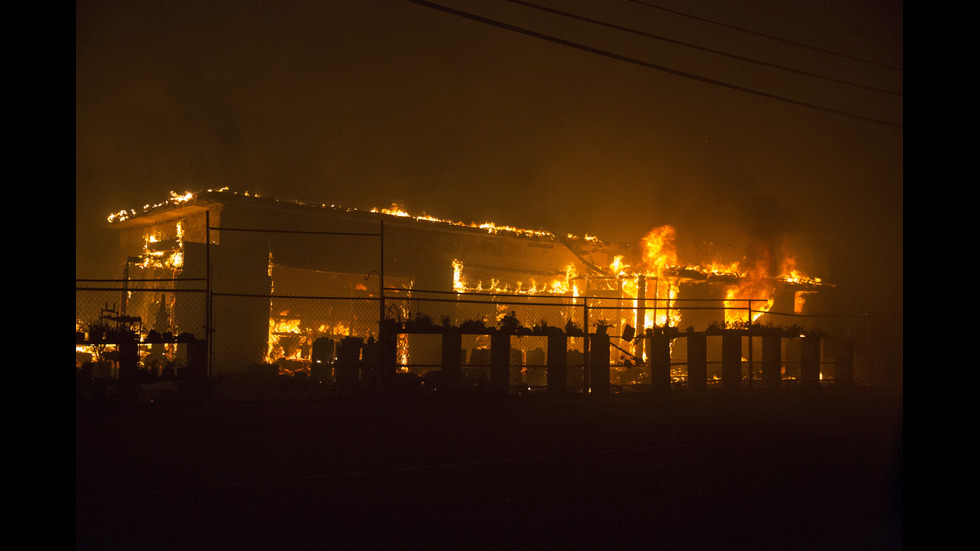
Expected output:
(128, 368)
(659, 362)
(452, 358)
(810, 362)
(771, 364)
(731, 359)
(348, 362)
(599, 363)
(557, 362)
(697, 361)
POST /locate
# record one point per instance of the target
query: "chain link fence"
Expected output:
(629, 325)
(164, 328)
(268, 337)
(139, 333)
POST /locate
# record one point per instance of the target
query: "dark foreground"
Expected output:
(788, 469)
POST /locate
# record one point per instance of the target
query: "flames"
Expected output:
(754, 280)
(647, 284)
(650, 289)
(562, 284)
(291, 339)
(174, 199)
(489, 227)
(459, 285)
(659, 251)
(159, 252)
(751, 283)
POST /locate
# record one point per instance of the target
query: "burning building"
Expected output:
(286, 275)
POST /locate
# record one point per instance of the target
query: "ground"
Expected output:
(790, 468)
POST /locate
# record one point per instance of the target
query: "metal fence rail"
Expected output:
(305, 337)
(528, 317)
(139, 332)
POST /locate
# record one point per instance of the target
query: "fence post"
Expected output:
(771, 355)
(659, 361)
(557, 362)
(599, 366)
(697, 360)
(388, 345)
(810, 362)
(731, 359)
(348, 360)
(586, 367)
(208, 297)
(386, 335)
(322, 357)
(128, 349)
(452, 358)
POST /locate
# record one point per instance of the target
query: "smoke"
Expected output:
(725, 217)
(770, 227)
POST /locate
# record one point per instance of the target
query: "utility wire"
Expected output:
(770, 37)
(648, 65)
(701, 48)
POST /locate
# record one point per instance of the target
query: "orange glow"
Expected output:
(175, 199)
(161, 252)
(659, 251)
(618, 267)
(558, 285)
(490, 227)
(750, 284)
(753, 293)
(798, 301)
(458, 284)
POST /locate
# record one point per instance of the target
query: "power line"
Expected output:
(770, 37)
(648, 65)
(701, 48)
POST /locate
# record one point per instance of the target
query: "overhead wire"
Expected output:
(768, 36)
(648, 65)
(697, 47)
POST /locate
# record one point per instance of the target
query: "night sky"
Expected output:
(369, 103)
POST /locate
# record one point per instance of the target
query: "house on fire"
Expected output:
(261, 247)
(286, 273)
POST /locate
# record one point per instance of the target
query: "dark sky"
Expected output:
(366, 103)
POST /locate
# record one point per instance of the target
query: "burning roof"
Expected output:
(656, 256)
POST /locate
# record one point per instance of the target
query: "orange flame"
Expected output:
(659, 251)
